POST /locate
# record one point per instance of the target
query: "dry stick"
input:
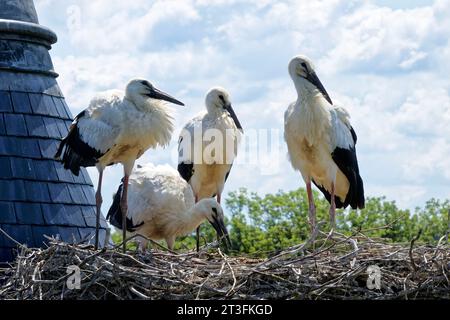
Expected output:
(14, 240)
(330, 234)
(200, 288)
(148, 239)
(386, 226)
(321, 251)
(232, 272)
(448, 226)
(411, 248)
(297, 248)
(139, 294)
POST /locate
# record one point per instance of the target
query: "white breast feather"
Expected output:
(155, 191)
(225, 124)
(111, 121)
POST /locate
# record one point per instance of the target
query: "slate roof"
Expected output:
(37, 195)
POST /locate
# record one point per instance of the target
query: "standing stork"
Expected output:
(321, 143)
(207, 173)
(117, 127)
(162, 206)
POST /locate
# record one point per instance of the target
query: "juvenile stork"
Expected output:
(161, 206)
(207, 147)
(117, 127)
(321, 142)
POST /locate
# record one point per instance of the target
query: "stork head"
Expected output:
(139, 89)
(302, 72)
(218, 101)
(212, 211)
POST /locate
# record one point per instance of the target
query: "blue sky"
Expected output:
(387, 62)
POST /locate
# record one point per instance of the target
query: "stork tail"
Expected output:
(114, 215)
(75, 152)
(186, 170)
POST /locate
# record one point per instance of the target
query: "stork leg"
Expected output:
(312, 206)
(197, 232)
(332, 208)
(124, 209)
(98, 203)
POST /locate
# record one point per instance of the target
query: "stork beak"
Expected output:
(233, 115)
(160, 95)
(314, 79)
(222, 232)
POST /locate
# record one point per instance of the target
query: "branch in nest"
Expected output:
(413, 264)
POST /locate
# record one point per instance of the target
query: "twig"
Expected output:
(297, 248)
(24, 247)
(411, 248)
(148, 239)
(232, 272)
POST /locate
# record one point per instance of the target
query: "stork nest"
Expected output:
(332, 267)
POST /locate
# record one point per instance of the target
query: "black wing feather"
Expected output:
(347, 162)
(77, 153)
(114, 215)
(337, 200)
(186, 170)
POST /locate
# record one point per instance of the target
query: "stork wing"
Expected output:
(97, 134)
(114, 215)
(90, 135)
(100, 127)
(343, 141)
(186, 148)
(342, 133)
(156, 195)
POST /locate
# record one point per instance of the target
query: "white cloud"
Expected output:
(389, 67)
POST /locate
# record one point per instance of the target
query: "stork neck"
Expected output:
(214, 111)
(305, 90)
(143, 103)
(139, 101)
(193, 218)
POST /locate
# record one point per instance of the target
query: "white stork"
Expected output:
(161, 206)
(207, 172)
(117, 127)
(321, 142)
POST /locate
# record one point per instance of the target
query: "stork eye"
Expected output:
(304, 65)
(222, 98)
(214, 210)
(146, 83)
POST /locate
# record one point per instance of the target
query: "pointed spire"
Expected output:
(20, 10)
(37, 196)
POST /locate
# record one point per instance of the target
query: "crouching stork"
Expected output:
(161, 205)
